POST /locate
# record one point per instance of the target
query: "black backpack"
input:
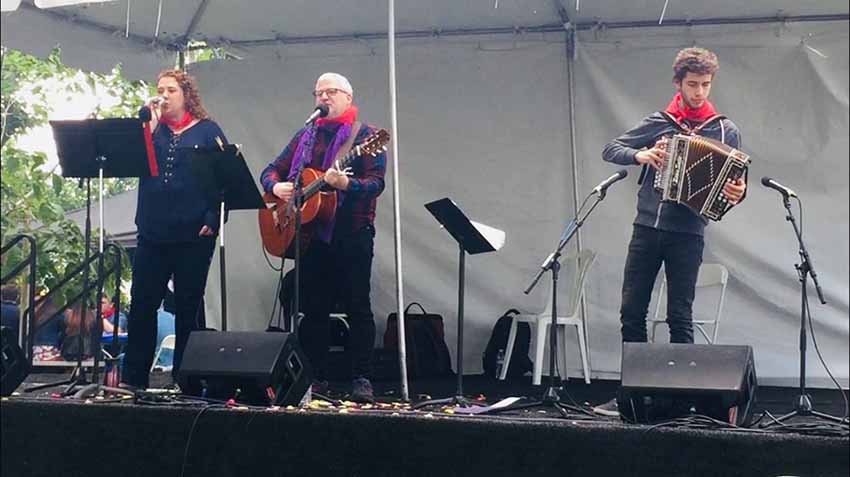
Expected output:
(427, 353)
(520, 362)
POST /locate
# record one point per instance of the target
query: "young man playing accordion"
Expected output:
(667, 232)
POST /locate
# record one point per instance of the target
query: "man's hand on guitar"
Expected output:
(656, 156)
(337, 179)
(283, 190)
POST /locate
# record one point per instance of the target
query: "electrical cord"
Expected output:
(191, 432)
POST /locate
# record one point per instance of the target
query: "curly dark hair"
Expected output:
(694, 60)
(190, 92)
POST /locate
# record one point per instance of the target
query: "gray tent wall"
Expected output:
(486, 122)
(466, 129)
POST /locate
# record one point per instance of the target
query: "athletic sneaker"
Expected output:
(609, 409)
(361, 391)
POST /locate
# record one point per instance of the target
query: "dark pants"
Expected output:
(153, 264)
(338, 273)
(682, 255)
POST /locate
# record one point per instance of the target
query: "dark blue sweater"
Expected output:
(651, 211)
(172, 207)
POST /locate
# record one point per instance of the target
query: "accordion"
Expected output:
(695, 172)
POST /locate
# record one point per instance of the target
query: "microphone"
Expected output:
(321, 111)
(145, 114)
(786, 192)
(145, 110)
(604, 185)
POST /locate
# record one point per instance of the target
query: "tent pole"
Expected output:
(571, 53)
(402, 348)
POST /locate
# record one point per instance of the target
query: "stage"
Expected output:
(47, 435)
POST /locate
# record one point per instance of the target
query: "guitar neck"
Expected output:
(317, 185)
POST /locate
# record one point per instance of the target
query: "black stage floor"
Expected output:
(43, 434)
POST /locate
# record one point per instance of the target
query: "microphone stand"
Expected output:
(297, 201)
(551, 396)
(297, 315)
(803, 404)
(297, 197)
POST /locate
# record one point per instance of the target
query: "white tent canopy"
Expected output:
(485, 115)
(96, 36)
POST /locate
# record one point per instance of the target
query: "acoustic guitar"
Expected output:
(277, 220)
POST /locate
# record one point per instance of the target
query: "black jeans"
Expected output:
(681, 254)
(154, 263)
(339, 272)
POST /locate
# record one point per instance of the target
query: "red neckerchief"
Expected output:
(180, 124)
(108, 313)
(348, 117)
(694, 116)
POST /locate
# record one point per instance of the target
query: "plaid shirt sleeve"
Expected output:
(278, 170)
(371, 182)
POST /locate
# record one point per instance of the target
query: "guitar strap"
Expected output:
(349, 143)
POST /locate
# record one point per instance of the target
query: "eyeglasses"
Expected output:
(330, 92)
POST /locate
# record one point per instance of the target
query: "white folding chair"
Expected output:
(569, 314)
(710, 275)
(167, 343)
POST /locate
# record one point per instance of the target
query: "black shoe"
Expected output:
(129, 387)
(361, 391)
(609, 409)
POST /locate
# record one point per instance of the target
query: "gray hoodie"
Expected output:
(651, 211)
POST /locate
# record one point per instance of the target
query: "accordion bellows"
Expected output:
(695, 171)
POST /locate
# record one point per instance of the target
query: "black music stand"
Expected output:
(117, 147)
(470, 241)
(226, 181)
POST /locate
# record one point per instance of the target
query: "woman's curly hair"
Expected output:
(191, 95)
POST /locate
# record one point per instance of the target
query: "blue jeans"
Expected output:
(681, 255)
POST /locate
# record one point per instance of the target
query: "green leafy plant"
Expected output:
(33, 198)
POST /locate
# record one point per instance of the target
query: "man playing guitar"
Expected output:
(337, 266)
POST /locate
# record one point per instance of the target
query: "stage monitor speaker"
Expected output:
(15, 366)
(252, 367)
(667, 381)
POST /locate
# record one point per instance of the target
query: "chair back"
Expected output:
(168, 342)
(164, 357)
(710, 275)
(573, 275)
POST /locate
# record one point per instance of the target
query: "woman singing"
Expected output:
(176, 225)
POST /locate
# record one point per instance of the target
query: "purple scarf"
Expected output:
(303, 154)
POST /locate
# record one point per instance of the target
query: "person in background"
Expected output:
(76, 325)
(11, 312)
(48, 330)
(107, 311)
